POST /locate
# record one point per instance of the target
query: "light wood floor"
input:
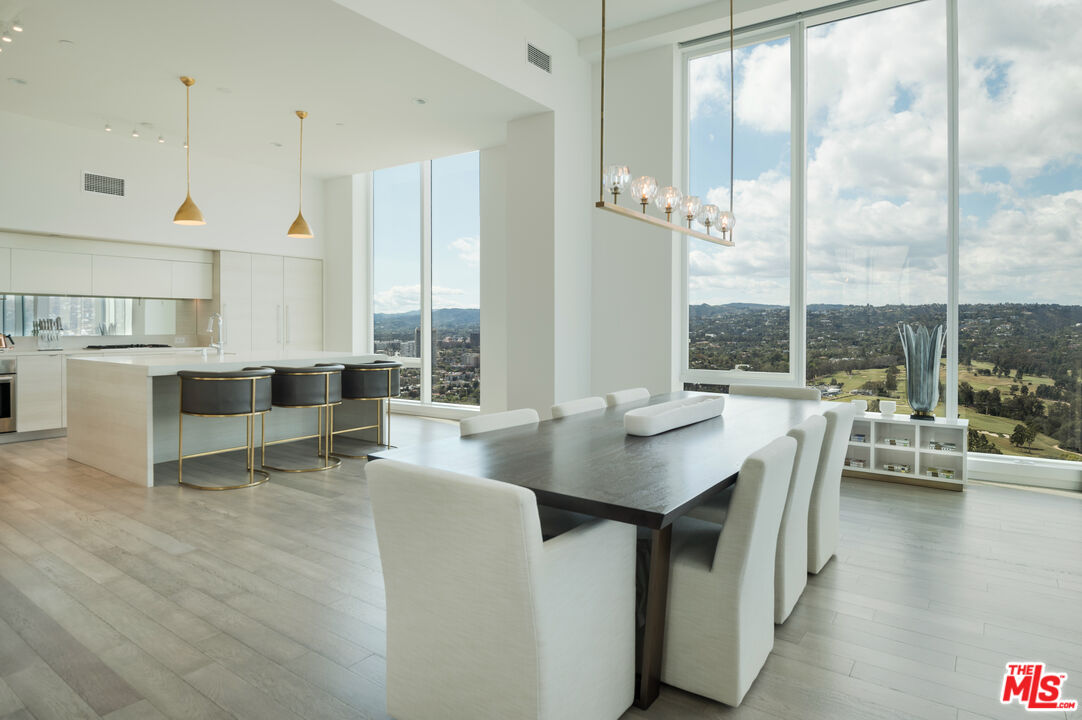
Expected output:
(123, 602)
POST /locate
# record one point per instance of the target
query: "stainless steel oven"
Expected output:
(7, 395)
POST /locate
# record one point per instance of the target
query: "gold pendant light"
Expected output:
(188, 213)
(299, 228)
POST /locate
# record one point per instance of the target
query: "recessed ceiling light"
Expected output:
(134, 133)
(5, 37)
(17, 26)
(17, 81)
(161, 139)
(276, 144)
(66, 42)
(107, 128)
(419, 101)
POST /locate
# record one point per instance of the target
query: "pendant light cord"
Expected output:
(732, 105)
(300, 171)
(187, 134)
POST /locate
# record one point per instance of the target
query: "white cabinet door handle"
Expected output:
(289, 327)
(278, 323)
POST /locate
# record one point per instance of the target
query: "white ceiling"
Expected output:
(255, 62)
(582, 18)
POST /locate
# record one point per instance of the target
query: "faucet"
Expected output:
(220, 345)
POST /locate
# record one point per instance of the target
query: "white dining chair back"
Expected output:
(791, 393)
(791, 561)
(574, 407)
(620, 397)
(824, 511)
(497, 421)
(484, 620)
(719, 628)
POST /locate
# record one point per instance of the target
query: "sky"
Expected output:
(877, 165)
(456, 235)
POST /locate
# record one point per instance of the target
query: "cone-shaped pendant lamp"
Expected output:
(299, 228)
(188, 213)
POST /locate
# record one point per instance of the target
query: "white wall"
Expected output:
(494, 280)
(248, 208)
(636, 268)
(348, 312)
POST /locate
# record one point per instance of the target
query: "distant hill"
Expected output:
(461, 319)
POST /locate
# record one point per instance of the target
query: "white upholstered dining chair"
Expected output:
(574, 407)
(792, 393)
(791, 556)
(487, 622)
(824, 512)
(497, 421)
(719, 627)
(627, 396)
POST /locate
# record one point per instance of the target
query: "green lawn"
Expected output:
(998, 429)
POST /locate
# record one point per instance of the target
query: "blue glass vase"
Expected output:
(923, 349)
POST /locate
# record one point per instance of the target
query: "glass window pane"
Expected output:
(396, 261)
(456, 280)
(738, 317)
(876, 196)
(1020, 312)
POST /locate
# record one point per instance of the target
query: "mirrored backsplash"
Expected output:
(37, 315)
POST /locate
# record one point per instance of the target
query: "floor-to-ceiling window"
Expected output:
(738, 298)
(426, 276)
(883, 233)
(1020, 311)
(876, 196)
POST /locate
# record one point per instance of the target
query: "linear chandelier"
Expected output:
(616, 179)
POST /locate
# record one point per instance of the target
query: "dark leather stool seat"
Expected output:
(242, 393)
(379, 380)
(317, 387)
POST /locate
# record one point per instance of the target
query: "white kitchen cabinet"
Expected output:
(131, 277)
(268, 311)
(5, 270)
(43, 272)
(192, 280)
(39, 392)
(235, 296)
(303, 293)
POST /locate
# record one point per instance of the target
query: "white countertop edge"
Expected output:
(161, 364)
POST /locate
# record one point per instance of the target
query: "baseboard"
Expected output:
(919, 482)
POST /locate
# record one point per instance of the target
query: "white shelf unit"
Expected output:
(899, 449)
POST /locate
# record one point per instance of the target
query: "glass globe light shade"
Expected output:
(668, 199)
(644, 188)
(708, 216)
(689, 206)
(616, 178)
(726, 221)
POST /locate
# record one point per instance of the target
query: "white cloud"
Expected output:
(469, 250)
(406, 298)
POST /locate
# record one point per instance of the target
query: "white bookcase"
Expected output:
(920, 452)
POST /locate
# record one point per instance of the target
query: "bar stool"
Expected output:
(317, 387)
(245, 393)
(379, 380)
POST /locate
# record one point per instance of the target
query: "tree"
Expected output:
(1018, 374)
(979, 442)
(965, 394)
(891, 381)
(1019, 435)
(1031, 434)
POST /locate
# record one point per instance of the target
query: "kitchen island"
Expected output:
(123, 410)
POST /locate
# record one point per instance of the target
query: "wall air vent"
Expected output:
(103, 184)
(539, 58)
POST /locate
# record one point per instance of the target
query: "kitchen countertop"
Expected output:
(160, 364)
(30, 349)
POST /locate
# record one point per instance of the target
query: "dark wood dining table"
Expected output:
(588, 464)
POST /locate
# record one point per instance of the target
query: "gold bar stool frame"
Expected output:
(317, 387)
(245, 393)
(377, 381)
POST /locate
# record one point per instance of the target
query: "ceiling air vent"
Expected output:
(103, 184)
(538, 58)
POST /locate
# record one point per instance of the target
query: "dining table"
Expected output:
(587, 463)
